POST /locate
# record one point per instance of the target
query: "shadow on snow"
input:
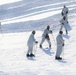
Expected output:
(47, 51)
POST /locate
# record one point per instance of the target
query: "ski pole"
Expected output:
(63, 52)
(35, 48)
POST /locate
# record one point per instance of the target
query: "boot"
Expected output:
(27, 55)
(58, 58)
(32, 55)
(40, 46)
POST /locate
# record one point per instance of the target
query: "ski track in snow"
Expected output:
(18, 19)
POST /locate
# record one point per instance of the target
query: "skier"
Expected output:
(64, 23)
(60, 45)
(31, 42)
(45, 35)
(65, 12)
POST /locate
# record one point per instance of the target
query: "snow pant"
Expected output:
(64, 27)
(65, 16)
(30, 50)
(59, 51)
(43, 39)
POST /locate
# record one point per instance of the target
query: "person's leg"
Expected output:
(31, 51)
(61, 27)
(48, 40)
(43, 39)
(28, 52)
(58, 52)
(65, 26)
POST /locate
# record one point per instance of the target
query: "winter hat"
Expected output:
(48, 27)
(61, 32)
(33, 32)
(64, 6)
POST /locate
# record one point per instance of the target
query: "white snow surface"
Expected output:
(18, 19)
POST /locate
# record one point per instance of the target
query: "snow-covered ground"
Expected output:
(18, 18)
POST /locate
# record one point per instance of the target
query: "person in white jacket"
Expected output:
(65, 12)
(60, 45)
(31, 42)
(45, 35)
(64, 23)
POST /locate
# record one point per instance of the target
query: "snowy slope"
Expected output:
(18, 18)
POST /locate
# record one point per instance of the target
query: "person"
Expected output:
(64, 23)
(65, 12)
(30, 44)
(60, 45)
(45, 35)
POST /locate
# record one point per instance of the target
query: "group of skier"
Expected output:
(45, 36)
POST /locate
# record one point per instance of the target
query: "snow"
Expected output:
(18, 18)
(9, 1)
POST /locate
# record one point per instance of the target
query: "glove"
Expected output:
(36, 42)
(67, 12)
(51, 32)
(63, 44)
(63, 23)
(67, 21)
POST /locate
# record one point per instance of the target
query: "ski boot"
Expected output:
(27, 55)
(58, 58)
(40, 46)
(32, 55)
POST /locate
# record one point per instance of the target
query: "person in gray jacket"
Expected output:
(45, 36)
(65, 12)
(31, 42)
(60, 45)
(64, 23)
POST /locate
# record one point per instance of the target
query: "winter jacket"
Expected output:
(63, 22)
(46, 32)
(65, 11)
(31, 40)
(60, 44)
(59, 40)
